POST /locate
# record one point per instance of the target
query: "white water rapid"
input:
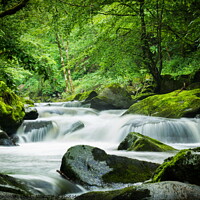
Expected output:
(43, 142)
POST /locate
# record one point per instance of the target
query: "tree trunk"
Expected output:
(62, 64)
(148, 59)
(68, 69)
(160, 7)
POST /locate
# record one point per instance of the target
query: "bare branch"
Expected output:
(14, 9)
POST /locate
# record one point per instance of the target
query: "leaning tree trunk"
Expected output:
(148, 58)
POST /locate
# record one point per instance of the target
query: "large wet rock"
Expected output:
(30, 113)
(91, 166)
(180, 103)
(11, 110)
(112, 97)
(5, 140)
(13, 185)
(138, 142)
(183, 167)
(169, 190)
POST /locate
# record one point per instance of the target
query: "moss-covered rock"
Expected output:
(91, 166)
(168, 190)
(138, 142)
(183, 167)
(112, 97)
(176, 104)
(11, 109)
(141, 96)
(84, 96)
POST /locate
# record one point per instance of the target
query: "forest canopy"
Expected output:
(63, 46)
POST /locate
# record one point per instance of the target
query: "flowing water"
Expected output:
(43, 142)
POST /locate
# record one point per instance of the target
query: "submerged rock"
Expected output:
(176, 104)
(5, 140)
(11, 110)
(74, 127)
(112, 97)
(183, 167)
(138, 142)
(91, 166)
(169, 190)
(13, 185)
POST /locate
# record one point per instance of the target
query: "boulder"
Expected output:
(138, 142)
(5, 139)
(183, 167)
(168, 190)
(30, 113)
(91, 166)
(141, 96)
(180, 103)
(13, 185)
(84, 96)
(112, 97)
(11, 110)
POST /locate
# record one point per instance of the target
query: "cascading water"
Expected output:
(44, 141)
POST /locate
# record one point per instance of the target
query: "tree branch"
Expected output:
(116, 14)
(14, 9)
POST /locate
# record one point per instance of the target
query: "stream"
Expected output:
(44, 141)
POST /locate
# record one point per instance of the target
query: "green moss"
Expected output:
(141, 96)
(175, 104)
(184, 166)
(11, 108)
(138, 142)
(125, 194)
(128, 171)
(82, 96)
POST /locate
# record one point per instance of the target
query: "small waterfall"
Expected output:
(85, 124)
(166, 130)
(37, 130)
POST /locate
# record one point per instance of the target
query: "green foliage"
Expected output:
(103, 39)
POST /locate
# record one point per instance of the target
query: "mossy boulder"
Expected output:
(84, 96)
(112, 97)
(138, 142)
(5, 140)
(11, 109)
(141, 96)
(183, 167)
(168, 190)
(91, 166)
(176, 104)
